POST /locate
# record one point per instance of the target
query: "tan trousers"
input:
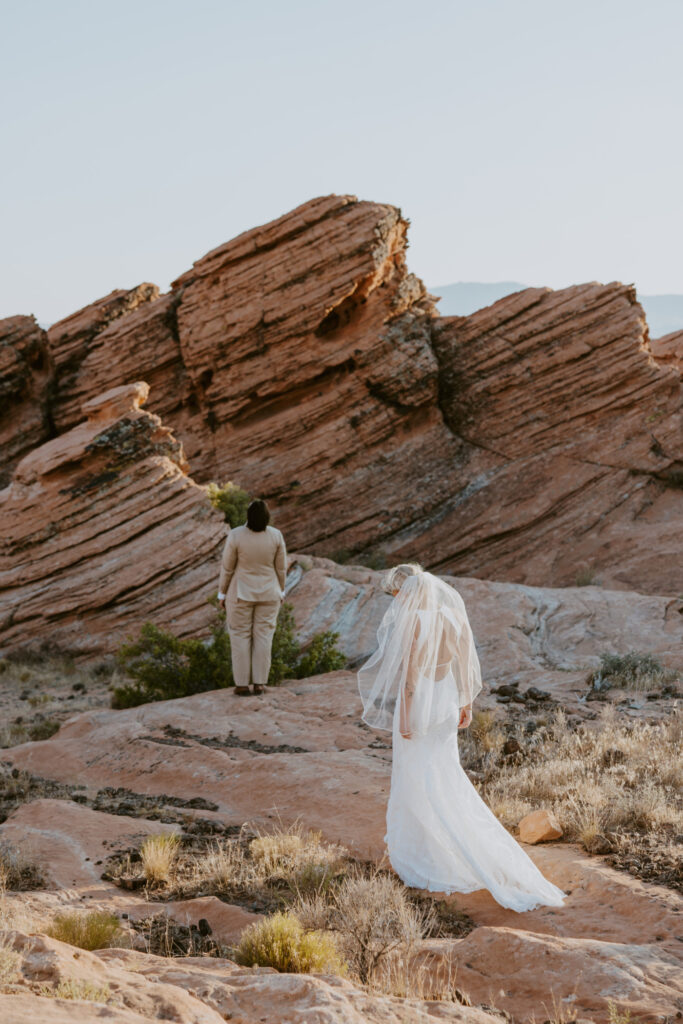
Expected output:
(251, 625)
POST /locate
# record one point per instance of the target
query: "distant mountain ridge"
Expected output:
(664, 312)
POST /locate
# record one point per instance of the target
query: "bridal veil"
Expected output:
(425, 658)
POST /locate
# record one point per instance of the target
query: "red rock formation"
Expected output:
(102, 530)
(23, 390)
(537, 440)
(576, 444)
(669, 349)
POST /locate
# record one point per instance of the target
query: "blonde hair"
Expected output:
(396, 576)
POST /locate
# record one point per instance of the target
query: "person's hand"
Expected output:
(465, 717)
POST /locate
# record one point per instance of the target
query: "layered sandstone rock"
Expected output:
(24, 414)
(538, 440)
(669, 349)
(101, 530)
(576, 443)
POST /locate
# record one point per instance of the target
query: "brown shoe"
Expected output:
(259, 689)
(242, 691)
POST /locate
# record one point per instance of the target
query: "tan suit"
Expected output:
(253, 574)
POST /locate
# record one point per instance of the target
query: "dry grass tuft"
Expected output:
(280, 941)
(9, 965)
(374, 919)
(617, 1016)
(297, 857)
(95, 929)
(158, 855)
(409, 976)
(73, 988)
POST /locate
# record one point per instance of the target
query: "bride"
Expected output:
(421, 682)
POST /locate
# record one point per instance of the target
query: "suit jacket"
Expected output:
(254, 565)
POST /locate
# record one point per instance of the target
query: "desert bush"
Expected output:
(585, 577)
(231, 500)
(161, 666)
(158, 854)
(280, 941)
(375, 917)
(632, 671)
(76, 988)
(43, 730)
(94, 929)
(17, 872)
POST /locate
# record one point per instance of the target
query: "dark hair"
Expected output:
(258, 515)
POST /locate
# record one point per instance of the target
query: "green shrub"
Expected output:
(633, 671)
(286, 647)
(43, 730)
(163, 667)
(95, 929)
(320, 656)
(231, 500)
(281, 942)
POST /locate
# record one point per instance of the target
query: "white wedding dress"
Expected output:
(440, 835)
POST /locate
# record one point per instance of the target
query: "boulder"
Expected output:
(539, 827)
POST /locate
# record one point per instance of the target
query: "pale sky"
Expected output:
(526, 140)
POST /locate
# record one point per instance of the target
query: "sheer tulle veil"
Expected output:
(425, 656)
